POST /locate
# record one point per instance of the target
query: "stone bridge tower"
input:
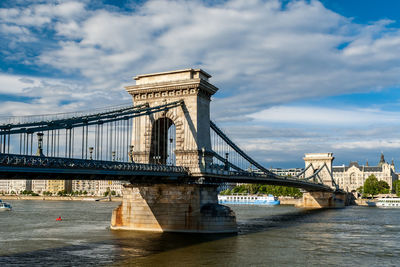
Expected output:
(317, 160)
(191, 120)
(315, 199)
(171, 205)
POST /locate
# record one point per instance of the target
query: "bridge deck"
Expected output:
(35, 167)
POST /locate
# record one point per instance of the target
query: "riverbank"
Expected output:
(290, 201)
(58, 198)
(361, 202)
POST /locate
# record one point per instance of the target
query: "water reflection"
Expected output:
(279, 236)
(141, 248)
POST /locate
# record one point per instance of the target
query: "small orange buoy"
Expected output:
(59, 218)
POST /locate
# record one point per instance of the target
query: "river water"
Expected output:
(269, 236)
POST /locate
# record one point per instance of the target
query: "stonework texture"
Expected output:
(318, 160)
(323, 200)
(173, 208)
(192, 119)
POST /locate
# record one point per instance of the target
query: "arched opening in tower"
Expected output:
(163, 142)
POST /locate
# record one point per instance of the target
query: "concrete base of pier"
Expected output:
(173, 208)
(324, 200)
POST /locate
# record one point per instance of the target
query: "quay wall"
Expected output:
(290, 201)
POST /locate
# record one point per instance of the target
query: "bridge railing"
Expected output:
(23, 161)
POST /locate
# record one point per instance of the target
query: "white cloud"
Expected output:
(14, 85)
(40, 14)
(308, 115)
(261, 56)
(369, 145)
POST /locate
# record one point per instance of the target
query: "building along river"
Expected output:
(268, 236)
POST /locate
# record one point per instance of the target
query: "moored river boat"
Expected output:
(389, 202)
(5, 206)
(248, 199)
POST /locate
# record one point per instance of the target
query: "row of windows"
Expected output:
(395, 205)
(390, 201)
(237, 198)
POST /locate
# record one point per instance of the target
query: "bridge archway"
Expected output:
(163, 142)
(190, 88)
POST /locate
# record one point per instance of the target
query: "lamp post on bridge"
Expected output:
(91, 152)
(226, 167)
(157, 159)
(171, 140)
(130, 154)
(40, 145)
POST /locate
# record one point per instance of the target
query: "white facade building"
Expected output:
(39, 186)
(353, 176)
(14, 186)
(105, 185)
(90, 186)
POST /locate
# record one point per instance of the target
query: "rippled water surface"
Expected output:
(269, 236)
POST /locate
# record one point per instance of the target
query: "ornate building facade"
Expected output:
(353, 176)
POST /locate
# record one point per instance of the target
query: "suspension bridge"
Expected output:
(165, 142)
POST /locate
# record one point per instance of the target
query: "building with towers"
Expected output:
(354, 175)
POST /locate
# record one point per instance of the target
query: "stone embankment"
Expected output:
(290, 201)
(361, 202)
(58, 198)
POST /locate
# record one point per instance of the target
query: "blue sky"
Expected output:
(302, 76)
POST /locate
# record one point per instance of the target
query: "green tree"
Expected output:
(396, 188)
(62, 193)
(225, 192)
(371, 185)
(383, 187)
(252, 188)
(241, 189)
(267, 189)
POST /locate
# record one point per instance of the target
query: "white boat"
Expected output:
(389, 202)
(4, 206)
(248, 199)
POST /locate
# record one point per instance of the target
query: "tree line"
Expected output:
(374, 187)
(254, 189)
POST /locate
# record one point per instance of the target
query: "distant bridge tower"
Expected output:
(153, 138)
(322, 162)
(317, 161)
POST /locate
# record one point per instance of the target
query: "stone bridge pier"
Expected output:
(173, 208)
(180, 135)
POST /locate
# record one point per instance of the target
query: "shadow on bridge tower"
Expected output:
(178, 136)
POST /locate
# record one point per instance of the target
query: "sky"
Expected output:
(294, 77)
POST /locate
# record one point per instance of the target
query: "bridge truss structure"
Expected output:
(98, 145)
